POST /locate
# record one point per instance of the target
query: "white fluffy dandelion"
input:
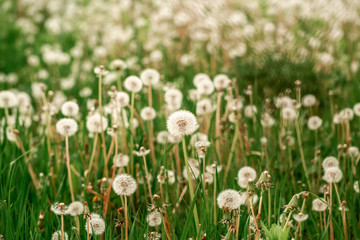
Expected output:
(70, 109)
(221, 81)
(93, 123)
(121, 160)
(57, 235)
(66, 127)
(153, 219)
(148, 113)
(124, 184)
(133, 84)
(314, 123)
(246, 174)
(150, 77)
(300, 217)
(182, 123)
(122, 99)
(309, 100)
(319, 205)
(97, 225)
(329, 162)
(8, 99)
(230, 199)
(333, 175)
(76, 208)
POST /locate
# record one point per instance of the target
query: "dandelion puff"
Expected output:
(288, 113)
(57, 235)
(309, 100)
(93, 123)
(97, 225)
(221, 81)
(230, 199)
(204, 106)
(150, 76)
(250, 111)
(198, 137)
(300, 217)
(246, 174)
(318, 205)
(122, 99)
(153, 219)
(194, 172)
(199, 78)
(148, 113)
(66, 127)
(356, 186)
(121, 160)
(182, 123)
(124, 184)
(70, 109)
(347, 114)
(142, 152)
(8, 99)
(333, 175)
(267, 121)
(353, 151)
(59, 209)
(76, 208)
(205, 87)
(314, 123)
(235, 104)
(162, 137)
(213, 168)
(173, 97)
(174, 139)
(170, 177)
(356, 109)
(330, 162)
(133, 84)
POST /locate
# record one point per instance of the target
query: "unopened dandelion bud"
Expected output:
(298, 83)
(40, 222)
(293, 204)
(250, 190)
(305, 195)
(339, 147)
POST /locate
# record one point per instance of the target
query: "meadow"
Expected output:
(180, 120)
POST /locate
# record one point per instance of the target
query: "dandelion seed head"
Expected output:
(221, 81)
(204, 106)
(250, 111)
(96, 225)
(330, 162)
(309, 100)
(162, 137)
(153, 219)
(300, 217)
(318, 205)
(76, 208)
(59, 209)
(133, 84)
(182, 123)
(66, 127)
(356, 109)
(148, 113)
(70, 109)
(150, 77)
(230, 199)
(93, 123)
(288, 113)
(333, 175)
(122, 99)
(8, 99)
(57, 235)
(124, 184)
(246, 174)
(121, 160)
(194, 172)
(314, 123)
(205, 87)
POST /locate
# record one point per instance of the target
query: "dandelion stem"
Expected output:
(126, 220)
(253, 214)
(269, 208)
(101, 116)
(232, 150)
(191, 189)
(131, 134)
(148, 180)
(62, 227)
(287, 220)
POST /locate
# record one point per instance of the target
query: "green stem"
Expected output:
(191, 189)
(232, 150)
(131, 134)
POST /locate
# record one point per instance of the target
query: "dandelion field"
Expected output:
(179, 120)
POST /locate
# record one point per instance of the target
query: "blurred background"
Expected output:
(266, 43)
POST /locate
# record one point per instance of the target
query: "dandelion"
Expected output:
(250, 111)
(148, 113)
(356, 186)
(319, 205)
(173, 99)
(59, 209)
(221, 82)
(314, 123)
(70, 109)
(124, 184)
(66, 127)
(267, 121)
(213, 168)
(93, 123)
(153, 219)
(57, 236)
(356, 109)
(182, 123)
(97, 225)
(142, 152)
(199, 78)
(230, 199)
(205, 87)
(8, 99)
(133, 84)
(121, 160)
(288, 113)
(174, 139)
(329, 162)
(194, 173)
(75, 208)
(246, 174)
(162, 137)
(333, 175)
(235, 104)
(150, 77)
(309, 100)
(300, 217)
(204, 106)
(122, 98)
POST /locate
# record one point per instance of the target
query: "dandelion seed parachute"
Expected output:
(182, 123)
(246, 174)
(66, 127)
(76, 208)
(230, 199)
(153, 219)
(124, 184)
